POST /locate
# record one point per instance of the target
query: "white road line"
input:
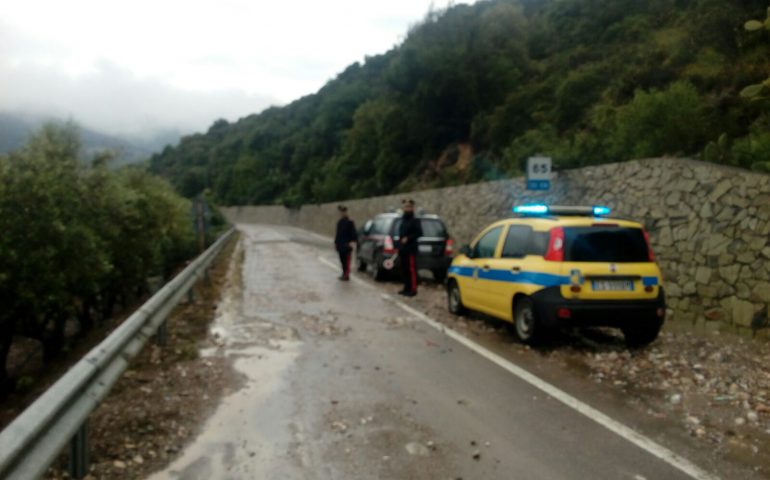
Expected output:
(628, 433)
(322, 237)
(334, 266)
(610, 424)
(281, 237)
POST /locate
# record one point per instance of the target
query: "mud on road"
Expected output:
(301, 376)
(340, 384)
(305, 409)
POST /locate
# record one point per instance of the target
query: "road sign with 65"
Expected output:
(539, 173)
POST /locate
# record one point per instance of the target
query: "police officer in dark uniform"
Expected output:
(345, 240)
(408, 232)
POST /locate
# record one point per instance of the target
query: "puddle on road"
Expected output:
(247, 436)
(265, 429)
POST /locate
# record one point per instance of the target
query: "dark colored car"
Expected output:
(379, 237)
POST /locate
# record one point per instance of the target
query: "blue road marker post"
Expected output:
(539, 173)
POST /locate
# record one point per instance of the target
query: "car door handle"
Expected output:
(516, 269)
(485, 268)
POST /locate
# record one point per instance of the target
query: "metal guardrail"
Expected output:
(35, 438)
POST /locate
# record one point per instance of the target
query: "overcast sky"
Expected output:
(130, 67)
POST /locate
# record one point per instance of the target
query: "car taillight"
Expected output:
(449, 249)
(555, 252)
(650, 253)
(388, 245)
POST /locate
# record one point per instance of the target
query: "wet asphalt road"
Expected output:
(342, 383)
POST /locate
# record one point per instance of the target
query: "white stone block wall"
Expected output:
(709, 225)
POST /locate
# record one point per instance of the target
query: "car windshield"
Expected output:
(431, 227)
(600, 244)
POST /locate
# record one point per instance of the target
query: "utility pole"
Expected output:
(200, 223)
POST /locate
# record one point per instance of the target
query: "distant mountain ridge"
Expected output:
(15, 129)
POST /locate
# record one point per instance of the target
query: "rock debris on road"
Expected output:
(341, 383)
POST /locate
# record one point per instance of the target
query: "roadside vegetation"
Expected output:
(156, 407)
(585, 81)
(79, 241)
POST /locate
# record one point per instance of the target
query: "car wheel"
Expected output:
(378, 271)
(454, 300)
(361, 264)
(528, 329)
(641, 336)
(439, 275)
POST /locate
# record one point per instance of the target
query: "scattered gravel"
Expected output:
(715, 387)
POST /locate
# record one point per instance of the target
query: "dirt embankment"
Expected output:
(157, 405)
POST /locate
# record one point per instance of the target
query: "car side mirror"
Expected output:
(466, 250)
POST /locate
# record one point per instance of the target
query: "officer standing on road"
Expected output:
(345, 240)
(409, 231)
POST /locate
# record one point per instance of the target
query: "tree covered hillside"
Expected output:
(586, 81)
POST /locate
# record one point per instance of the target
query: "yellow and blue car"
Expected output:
(550, 267)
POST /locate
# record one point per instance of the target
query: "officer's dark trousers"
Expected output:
(409, 271)
(345, 254)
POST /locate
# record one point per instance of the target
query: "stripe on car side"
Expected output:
(534, 278)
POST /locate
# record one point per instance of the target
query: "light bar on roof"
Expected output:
(531, 209)
(601, 211)
(540, 209)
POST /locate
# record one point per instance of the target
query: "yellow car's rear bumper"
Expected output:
(555, 311)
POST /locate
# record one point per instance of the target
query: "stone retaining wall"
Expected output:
(709, 226)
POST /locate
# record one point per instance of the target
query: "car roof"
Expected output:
(547, 222)
(398, 215)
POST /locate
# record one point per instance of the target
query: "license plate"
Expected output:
(612, 285)
(426, 248)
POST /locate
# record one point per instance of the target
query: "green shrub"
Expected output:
(79, 238)
(659, 122)
(753, 151)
